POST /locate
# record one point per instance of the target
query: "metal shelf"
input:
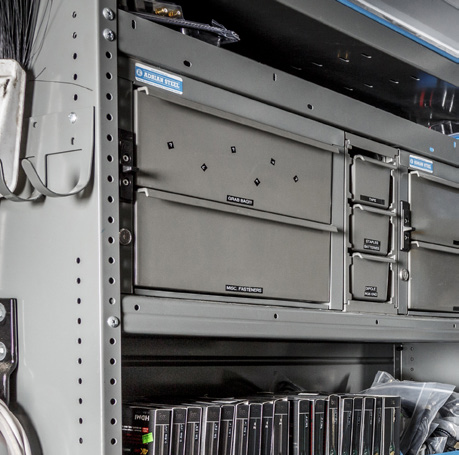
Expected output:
(336, 47)
(147, 315)
(197, 61)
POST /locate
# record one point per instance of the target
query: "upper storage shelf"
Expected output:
(337, 47)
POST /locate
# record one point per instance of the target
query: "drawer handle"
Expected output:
(204, 203)
(373, 161)
(367, 208)
(434, 247)
(368, 257)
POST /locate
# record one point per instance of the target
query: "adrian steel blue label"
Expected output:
(421, 164)
(157, 78)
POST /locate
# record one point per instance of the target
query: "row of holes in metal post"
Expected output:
(111, 260)
(111, 240)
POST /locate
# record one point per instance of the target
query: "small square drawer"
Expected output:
(370, 232)
(369, 279)
(371, 183)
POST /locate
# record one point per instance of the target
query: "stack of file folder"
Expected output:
(294, 424)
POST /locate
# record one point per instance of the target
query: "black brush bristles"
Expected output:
(18, 25)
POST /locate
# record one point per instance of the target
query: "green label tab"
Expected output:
(147, 438)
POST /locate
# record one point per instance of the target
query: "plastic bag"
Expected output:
(420, 403)
(451, 407)
(435, 444)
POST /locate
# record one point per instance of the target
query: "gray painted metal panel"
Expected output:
(217, 66)
(430, 362)
(433, 280)
(434, 211)
(169, 316)
(230, 162)
(187, 248)
(55, 252)
(374, 147)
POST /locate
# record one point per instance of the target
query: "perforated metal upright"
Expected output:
(59, 254)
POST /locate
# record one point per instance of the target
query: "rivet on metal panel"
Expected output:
(204, 167)
(72, 117)
(113, 322)
(125, 237)
(404, 275)
(295, 179)
(233, 149)
(3, 351)
(273, 161)
(108, 14)
(109, 35)
(257, 182)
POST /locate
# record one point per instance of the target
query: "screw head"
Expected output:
(125, 236)
(108, 14)
(109, 35)
(73, 117)
(113, 322)
(3, 351)
(404, 275)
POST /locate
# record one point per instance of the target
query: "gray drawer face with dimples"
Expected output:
(184, 150)
(369, 232)
(371, 183)
(434, 283)
(434, 211)
(187, 248)
(369, 280)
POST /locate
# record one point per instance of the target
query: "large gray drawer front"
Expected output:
(186, 151)
(371, 183)
(434, 283)
(186, 248)
(434, 212)
(369, 232)
(369, 280)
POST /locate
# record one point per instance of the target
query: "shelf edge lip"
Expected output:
(155, 316)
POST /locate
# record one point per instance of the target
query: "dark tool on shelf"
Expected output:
(171, 15)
